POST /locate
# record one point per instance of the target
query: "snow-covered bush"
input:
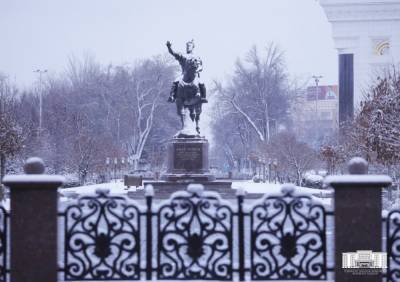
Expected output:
(313, 180)
(256, 179)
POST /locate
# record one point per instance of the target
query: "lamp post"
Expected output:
(316, 79)
(108, 163)
(115, 169)
(269, 170)
(275, 164)
(263, 162)
(122, 169)
(40, 72)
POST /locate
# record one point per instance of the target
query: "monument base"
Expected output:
(188, 161)
(188, 178)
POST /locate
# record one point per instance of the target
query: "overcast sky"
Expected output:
(44, 33)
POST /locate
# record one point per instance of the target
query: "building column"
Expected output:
(346, 87)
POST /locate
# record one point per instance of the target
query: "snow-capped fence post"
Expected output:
(240, 196)
(149, 193)
(358, 212)
(33, 223)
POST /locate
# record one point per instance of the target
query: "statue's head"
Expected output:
(189, 46)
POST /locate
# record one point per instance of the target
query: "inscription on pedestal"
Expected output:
(188, 156)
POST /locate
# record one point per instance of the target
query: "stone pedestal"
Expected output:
(33, 223)
(188, 161)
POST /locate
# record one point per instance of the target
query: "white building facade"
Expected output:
(364, 259)
(366, 34)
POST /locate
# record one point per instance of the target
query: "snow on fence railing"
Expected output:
(193, 235)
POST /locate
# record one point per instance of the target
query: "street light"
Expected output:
(316, 79)
(275, 164)
(40, 72)
(263, 162)
(317, 121)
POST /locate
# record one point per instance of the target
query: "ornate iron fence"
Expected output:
(194, 235)
(4, 269)
(393, 245)
(102, 239)
(288, 238)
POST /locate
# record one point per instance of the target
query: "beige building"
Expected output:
(366, 34)
(316, 117)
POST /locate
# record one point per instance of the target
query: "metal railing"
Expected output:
(393, 245)
(4, 269)
(193, 235)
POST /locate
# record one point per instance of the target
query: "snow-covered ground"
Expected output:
(115, 188)
(267, 188)
(321, 196)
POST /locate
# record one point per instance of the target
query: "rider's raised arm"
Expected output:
(176, 55)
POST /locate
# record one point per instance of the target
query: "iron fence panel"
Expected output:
(102, 239)
(393, 245)
(288, 238)
(195, 238)
(190, 237)
(3, 244)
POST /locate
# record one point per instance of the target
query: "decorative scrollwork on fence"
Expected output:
(195, 238)
(102, 239)
(288, 238)
(3, 244)
(393, 245)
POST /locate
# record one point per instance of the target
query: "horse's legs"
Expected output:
(181, 111)
(192, 113)
(197, 110)
(182, 120)
(197, 124)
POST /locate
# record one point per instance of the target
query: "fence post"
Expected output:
(33, 223)
(358, 213)
(149, 193)
(240, 196)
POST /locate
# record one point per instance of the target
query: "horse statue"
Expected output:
(188, 92)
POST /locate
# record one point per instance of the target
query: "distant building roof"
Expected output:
(325, 92)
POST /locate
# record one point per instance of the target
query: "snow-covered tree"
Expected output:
(293, 157)
(142, 100)
(234, 138)
(92, 112)
(376, 128)
(333, 155)
(11, 137)
(258, 91)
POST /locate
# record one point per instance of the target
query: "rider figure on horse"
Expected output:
(188, 92)
(190, 65)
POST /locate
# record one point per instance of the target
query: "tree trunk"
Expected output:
(298, 178)
(2, 167)
(390, 196)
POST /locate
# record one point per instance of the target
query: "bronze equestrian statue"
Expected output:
(189, 93)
